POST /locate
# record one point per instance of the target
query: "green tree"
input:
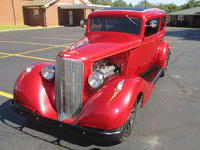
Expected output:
(163, 7)
(179, 8)
(119, 3)
(94, 1)
(172, 7)
(192, 4)
(142, 4)
(106, 2)
(101, 2)
(130, 5)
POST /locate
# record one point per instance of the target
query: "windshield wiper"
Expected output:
(131, 20)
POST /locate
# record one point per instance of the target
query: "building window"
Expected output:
(181, 17)
(36, 13)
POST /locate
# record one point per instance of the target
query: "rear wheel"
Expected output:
(166, 64)
(128, 125)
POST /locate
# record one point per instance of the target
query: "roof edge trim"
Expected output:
(48, 4)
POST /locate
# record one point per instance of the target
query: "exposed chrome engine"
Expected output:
(105, 68)
(101, 72)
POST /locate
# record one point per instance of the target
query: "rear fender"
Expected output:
(162, 56)
(34, 92)
(108, 108)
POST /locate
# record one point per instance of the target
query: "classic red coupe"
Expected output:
(94, 86)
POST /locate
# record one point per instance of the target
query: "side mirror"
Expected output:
(153, 24)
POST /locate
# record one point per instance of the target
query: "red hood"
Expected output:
(101, 45)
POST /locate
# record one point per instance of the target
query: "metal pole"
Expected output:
(13, 12)
(145, 3)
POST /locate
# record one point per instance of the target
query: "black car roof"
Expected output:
(140, 9)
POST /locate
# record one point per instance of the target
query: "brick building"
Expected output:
(187, 17)
(45, 12)
(11, 12)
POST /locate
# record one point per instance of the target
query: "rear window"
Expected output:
(113, 24)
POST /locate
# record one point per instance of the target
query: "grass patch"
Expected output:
(15, 27)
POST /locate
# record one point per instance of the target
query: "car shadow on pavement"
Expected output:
(185, 34)
(11, 119)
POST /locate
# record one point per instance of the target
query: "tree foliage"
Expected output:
(166, 7)
(130, 5)
(116, 3)
(101, 2)
(142, 4)
(119, 3)
(170, 7)
(192, 4)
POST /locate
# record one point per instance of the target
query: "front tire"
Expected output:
(128, 125)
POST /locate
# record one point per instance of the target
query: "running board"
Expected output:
(152, 74)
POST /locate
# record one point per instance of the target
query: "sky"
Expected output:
(177, 2)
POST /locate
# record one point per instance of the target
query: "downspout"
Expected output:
(13, 12)
(44, 17)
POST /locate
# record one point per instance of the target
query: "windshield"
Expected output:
(126, 25)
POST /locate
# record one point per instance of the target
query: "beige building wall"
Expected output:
(86, 13)
(52, 15)
(11, 12)
(18, 5)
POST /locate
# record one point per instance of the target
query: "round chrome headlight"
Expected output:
(48, 72)
(95, 79)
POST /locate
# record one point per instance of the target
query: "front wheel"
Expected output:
(128, 125)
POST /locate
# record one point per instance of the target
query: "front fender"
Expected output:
(34, 92)
(108, 108)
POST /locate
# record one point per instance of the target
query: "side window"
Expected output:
(152, 27)
(163, 23)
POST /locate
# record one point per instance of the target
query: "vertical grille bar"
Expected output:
(59, 70)
(68, 87)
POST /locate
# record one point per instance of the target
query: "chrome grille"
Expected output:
(68, 87)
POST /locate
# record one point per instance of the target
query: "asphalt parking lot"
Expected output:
(169, 120)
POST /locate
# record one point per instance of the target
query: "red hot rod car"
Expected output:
(95, 85)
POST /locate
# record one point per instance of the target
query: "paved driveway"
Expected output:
(169, 120)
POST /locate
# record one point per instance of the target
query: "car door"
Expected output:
(150, 43)
(144, 56)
